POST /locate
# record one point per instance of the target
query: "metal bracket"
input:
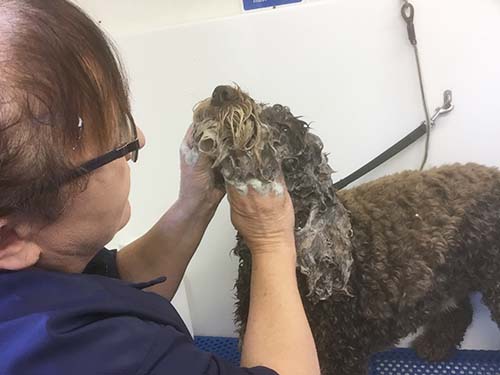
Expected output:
(446, 108)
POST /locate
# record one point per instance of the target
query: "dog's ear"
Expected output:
(324, 252)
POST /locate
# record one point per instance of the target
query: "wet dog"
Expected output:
(376, 262)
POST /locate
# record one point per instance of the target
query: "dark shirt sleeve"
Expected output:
(155, 349)
(131, 346)
(175, 353)
(103, 264)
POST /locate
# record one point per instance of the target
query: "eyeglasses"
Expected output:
(131, 148)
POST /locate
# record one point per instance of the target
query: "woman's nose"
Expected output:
(141, 137)
(142, 142)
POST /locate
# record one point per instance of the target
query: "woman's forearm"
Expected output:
(168, 247)
(277, 333)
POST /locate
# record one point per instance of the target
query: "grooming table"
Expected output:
(393, 362)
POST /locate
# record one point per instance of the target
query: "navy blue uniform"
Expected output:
(57, 323)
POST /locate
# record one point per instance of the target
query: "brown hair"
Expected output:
(56, 67)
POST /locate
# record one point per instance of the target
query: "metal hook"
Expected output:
(448, 99)
(447, 106)
(408, 13)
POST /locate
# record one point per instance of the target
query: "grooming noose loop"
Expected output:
(399, 146)
(408, 14)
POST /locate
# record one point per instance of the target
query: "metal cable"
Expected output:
(428, 122)
(408, 13)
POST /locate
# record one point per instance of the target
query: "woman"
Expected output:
(68, 305)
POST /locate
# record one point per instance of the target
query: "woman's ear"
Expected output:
(16, 249)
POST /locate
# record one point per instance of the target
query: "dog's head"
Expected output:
(250, 141)
(228, 127)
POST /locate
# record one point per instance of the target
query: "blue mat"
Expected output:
(226, 348)
(464, 362)
(394, 362)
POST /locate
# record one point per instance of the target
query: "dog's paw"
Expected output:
(433, 349)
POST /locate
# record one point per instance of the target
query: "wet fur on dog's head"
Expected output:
(250, 141)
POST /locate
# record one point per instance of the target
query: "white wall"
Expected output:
(126, 17)
(347, 66)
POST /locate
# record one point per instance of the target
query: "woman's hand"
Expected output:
(265, 220)
(276, 317)
(197, 176)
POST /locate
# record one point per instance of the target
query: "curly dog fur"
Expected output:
(377, 262)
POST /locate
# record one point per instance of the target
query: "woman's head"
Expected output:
(58, 71)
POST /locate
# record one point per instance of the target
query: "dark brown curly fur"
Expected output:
(421, 242)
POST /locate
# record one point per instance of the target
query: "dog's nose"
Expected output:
(223, 94)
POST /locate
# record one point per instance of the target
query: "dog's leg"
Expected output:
(444, 333)
(344, 362)
(342, 348)
(491, 298)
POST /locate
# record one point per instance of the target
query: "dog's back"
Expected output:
(410, 228)
(422, 241)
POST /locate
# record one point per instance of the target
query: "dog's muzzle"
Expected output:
(223, 95)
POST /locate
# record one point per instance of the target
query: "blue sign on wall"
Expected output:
(256, 4)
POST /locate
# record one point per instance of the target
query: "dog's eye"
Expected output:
(283, 128)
